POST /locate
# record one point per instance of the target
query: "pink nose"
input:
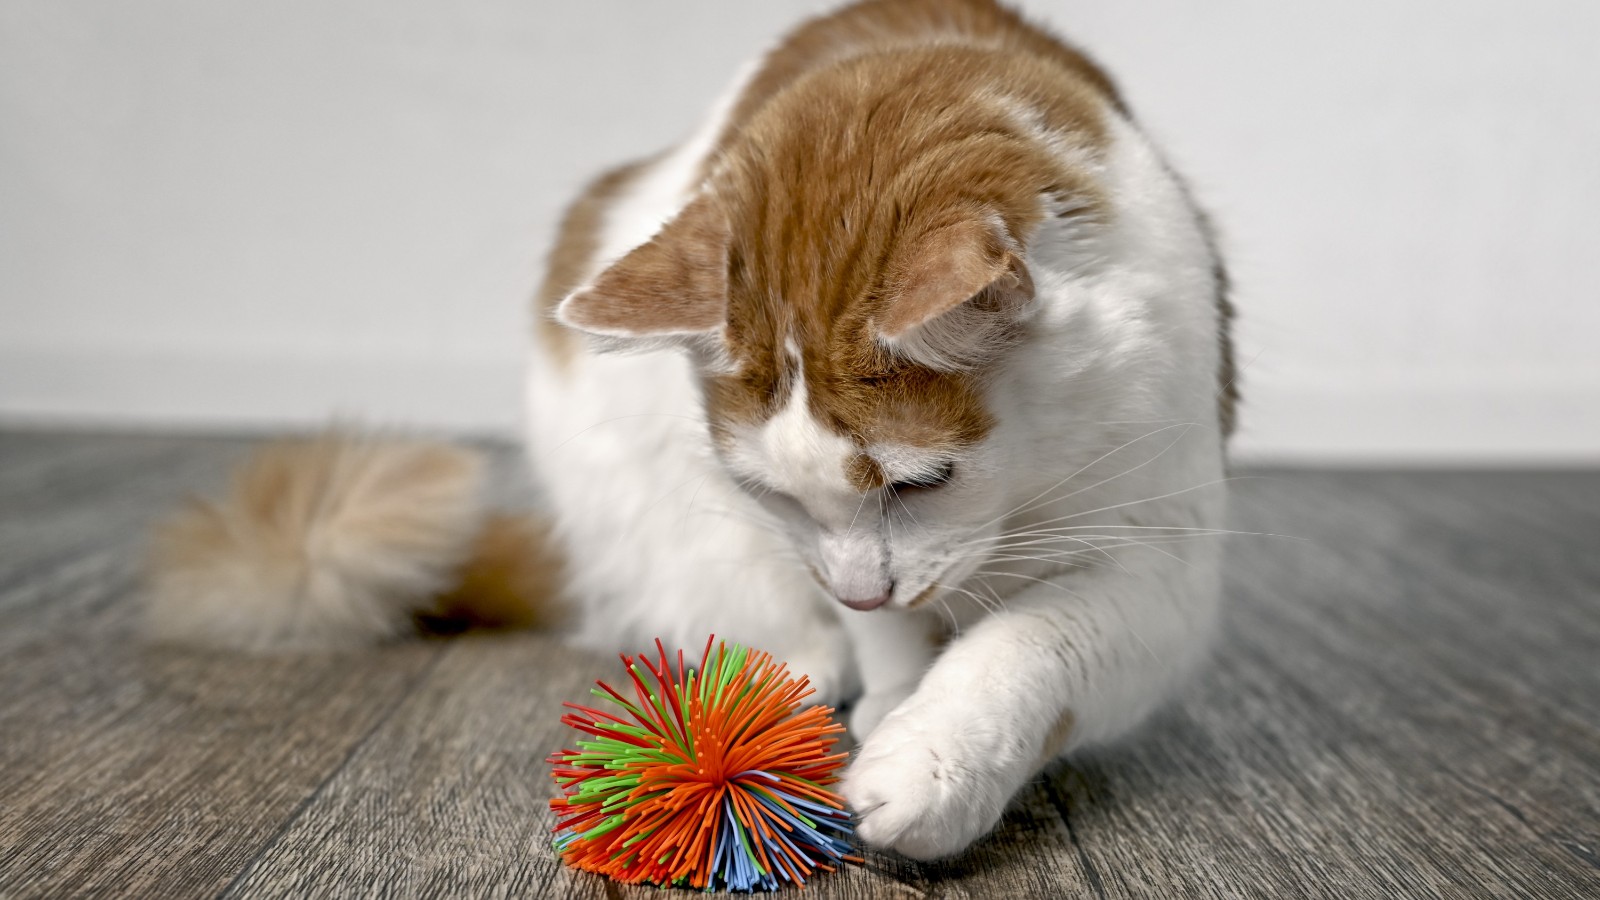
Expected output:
(870, 602)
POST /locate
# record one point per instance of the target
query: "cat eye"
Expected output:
(936, 478)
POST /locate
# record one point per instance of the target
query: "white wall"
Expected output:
(225, 213)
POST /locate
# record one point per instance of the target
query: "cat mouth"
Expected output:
(870, 603)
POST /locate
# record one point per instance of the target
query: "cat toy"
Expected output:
(710, 778)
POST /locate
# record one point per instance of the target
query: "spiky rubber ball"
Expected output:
(710, 778)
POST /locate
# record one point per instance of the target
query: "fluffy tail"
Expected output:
(344, 540)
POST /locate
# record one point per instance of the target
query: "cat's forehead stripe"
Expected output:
(799, 454)
(850, 389)
(801, 422)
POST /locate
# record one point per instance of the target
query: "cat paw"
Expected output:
(916, 790)
(873, 706)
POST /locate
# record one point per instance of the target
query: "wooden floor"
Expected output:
(1407, 704)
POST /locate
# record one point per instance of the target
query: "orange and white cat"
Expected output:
(910, 366)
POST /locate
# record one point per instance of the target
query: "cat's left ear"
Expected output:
(957, 296)
(671, 288)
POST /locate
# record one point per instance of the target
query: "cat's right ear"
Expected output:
(670, 289)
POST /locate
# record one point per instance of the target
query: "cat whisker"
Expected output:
(994, 595)
(1122, 542)
(905, 509)
(859, 507)
(980, 601)
(1031, 503)
(1091, 547)
(1007, 539)
(1187, 427)
(1185, 529)
(668, 493)
(1085, 564)
(1046, 540)
(1128, 503)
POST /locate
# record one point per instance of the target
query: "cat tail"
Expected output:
(346, 539)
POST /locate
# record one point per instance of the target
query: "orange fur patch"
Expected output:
(511, 580)
(865, 474)
(878, 24)
(1056, 739)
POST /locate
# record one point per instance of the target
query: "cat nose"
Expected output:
(868, 603)
(857, 568)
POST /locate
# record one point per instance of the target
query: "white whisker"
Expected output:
(1090, 512)
(1029, 504)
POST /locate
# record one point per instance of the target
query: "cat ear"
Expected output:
(669, 288)
(957, 297)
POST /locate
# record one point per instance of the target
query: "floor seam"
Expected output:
(1089, 871)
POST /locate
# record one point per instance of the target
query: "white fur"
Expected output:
(1107, 418)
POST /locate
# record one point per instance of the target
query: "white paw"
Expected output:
(872, 707)
(922, 790)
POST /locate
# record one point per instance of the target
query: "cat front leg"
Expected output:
(1077, 660)
(892, 649)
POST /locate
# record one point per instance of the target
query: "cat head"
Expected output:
(849, 293)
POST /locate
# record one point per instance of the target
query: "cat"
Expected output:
(911, 366)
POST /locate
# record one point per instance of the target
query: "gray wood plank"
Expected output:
(449, 797)
(132, 770)
(1406, 703)
(96, 496)
(161, 777)
(136, 771)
